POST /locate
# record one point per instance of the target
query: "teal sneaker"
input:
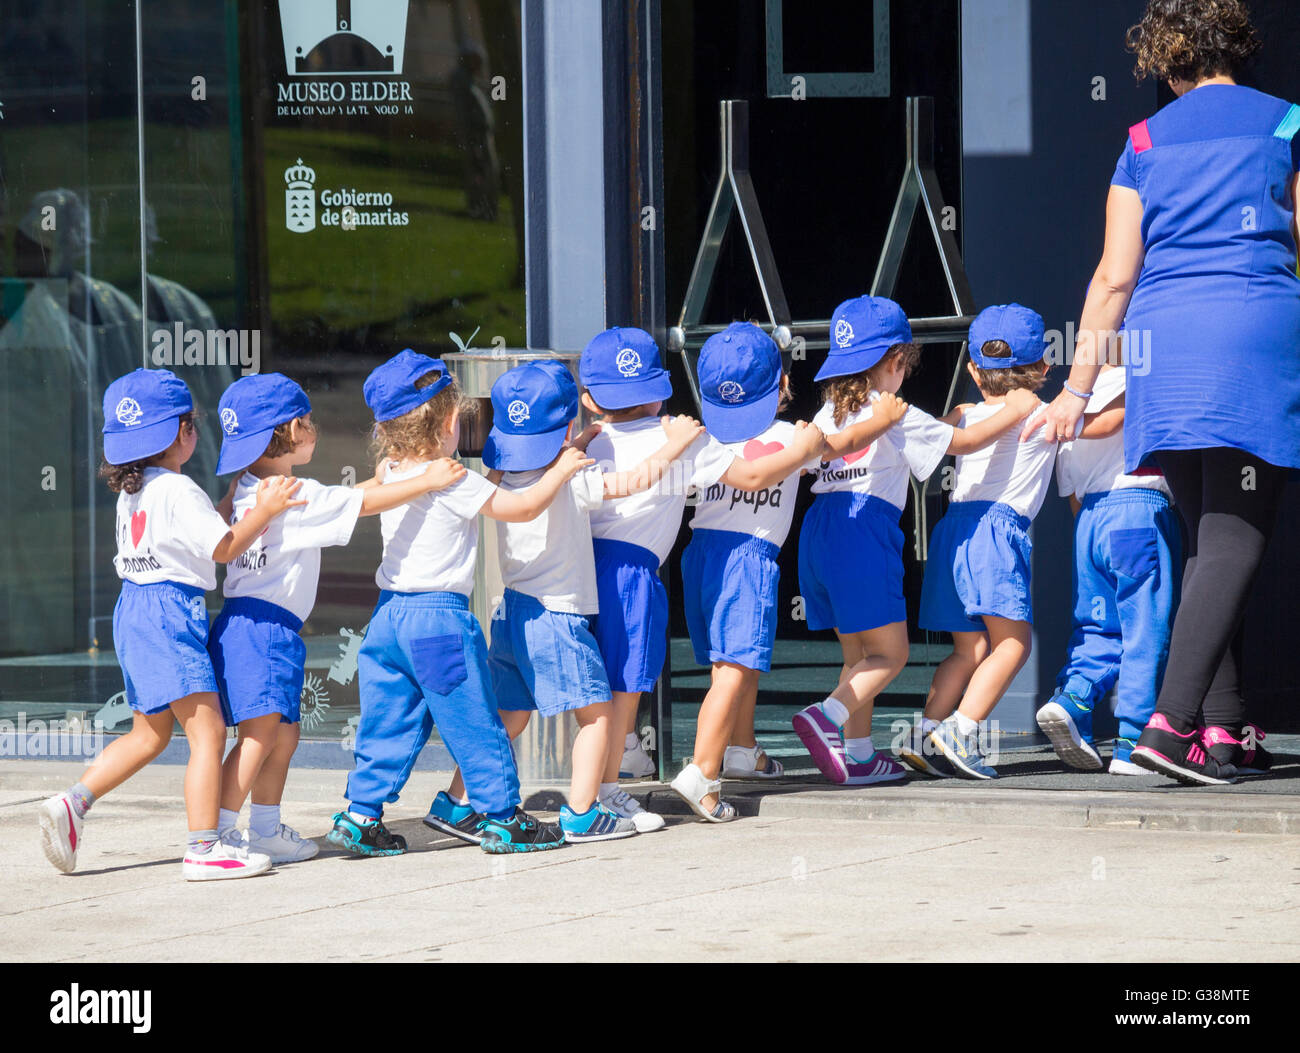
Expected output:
(520, 833)
(457, 820)
(1067, 721)
(962, 751)
(368, 839)
(597, 823)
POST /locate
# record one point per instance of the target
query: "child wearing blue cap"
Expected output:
(543, 656)
(169, 539)
(626, 385)
(424, 660)
(257, 653)
(850, 544)
(1127, 548)
(729, 569)
(977, 581)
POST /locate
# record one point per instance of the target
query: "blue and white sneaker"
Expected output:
(597, 823)
(457, 820)
(520, 833)
(365, 839)
(1120, 764)
(918, 754)
(1067, 722)
(962, 751)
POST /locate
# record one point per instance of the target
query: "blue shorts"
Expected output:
(632, 626)
(978, 566)
(160, 633)
(259, 658)
(851, 563)
(543, 660)
(729, 589)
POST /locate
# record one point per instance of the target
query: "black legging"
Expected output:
(1228, 500)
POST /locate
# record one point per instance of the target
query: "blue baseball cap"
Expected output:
(532, 406)
(140, 414)
(862, 330)
(390, 389)
(249, 412)
(740, 382)
(1019, 327)
(621, 368)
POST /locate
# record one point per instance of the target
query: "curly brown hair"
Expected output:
(1191, 40)
(129, 478)
(417, 435)
(997, 382)
(849, 394)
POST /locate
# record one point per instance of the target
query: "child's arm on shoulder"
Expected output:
(226, 506)
(1018, 405)
(274, 495)
(773, 468)
(679, 433)
(439, 475)
(1106, 423)
(526, 505)
(886, 411)
(954, 415)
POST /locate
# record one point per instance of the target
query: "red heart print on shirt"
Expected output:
(849, 458)
(754, 449)
(137, 527)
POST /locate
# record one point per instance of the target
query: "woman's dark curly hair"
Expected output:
(1192, 39)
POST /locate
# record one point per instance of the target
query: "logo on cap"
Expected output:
(628, 362)
(129, 412)
(843, 333)
(517, 411)
(730, 391)
(229, 422)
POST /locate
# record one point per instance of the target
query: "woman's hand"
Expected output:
(1060, 422)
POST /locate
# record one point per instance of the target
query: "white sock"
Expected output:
(859, 749)
(226, 820)
(265, 819)
(928, 724)
(966, 725)
(835, 711)
(631, 742)
(361, 820)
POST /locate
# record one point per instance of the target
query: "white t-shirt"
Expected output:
(651, 518)
(167, 531)
(283, 565)
(1013, 472)
(916, 443)
(430, 543)
(1093, 466)
(550, 559)
(763, 513)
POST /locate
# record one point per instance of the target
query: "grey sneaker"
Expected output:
(962, 751)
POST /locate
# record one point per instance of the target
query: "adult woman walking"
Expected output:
(1199, 269)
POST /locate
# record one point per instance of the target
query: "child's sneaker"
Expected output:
(741, 762)
(823, 740)
(520, 833)
(1179, 755)
(224, 858)
(636, 762)
(283, 846)
(597, 823)
(60, 832)
(919, 755)
(962, 751)
(1068, 723)
(1244, 754)
(1121, 759)
(457, 820)
(369, 839)
(623, 804)
(876, 768)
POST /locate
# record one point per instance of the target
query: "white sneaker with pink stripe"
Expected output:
(226, 858)
(60, 832)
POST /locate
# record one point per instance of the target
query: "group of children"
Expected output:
(585, 521)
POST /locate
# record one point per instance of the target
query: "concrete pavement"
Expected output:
(823, 879)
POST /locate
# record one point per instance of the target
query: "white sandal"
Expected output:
(693, 787)
(741, 762)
